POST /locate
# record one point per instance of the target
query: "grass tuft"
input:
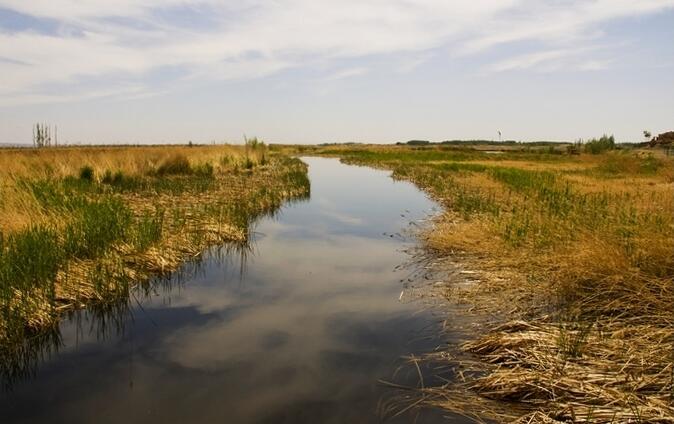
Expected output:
(87, 173)
(98, 225)
(175, 165)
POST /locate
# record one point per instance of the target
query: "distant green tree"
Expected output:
(596, 146)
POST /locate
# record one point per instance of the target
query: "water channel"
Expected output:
(299, 328)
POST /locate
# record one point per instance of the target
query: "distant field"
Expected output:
(81, 225)
(575, 257)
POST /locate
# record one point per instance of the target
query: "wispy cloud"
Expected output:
(208, 39)
(345, 73)
(128, 92)
(579, 59)
(530, 60)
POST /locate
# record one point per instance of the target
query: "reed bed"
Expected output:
(573, 284)
(85, 225)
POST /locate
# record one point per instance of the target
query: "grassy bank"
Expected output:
(574, 262)
(85, 225)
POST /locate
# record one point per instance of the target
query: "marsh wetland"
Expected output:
(297, 325)
(338, 283)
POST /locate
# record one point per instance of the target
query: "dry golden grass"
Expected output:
(575, 261)
(172, 203)
(63, 161)
(18, 208)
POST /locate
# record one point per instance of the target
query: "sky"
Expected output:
(315, 71)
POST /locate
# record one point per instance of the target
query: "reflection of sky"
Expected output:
(304, 336)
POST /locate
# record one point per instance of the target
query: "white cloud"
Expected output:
(553, 60)
(76, 9)
(105, 40)
(529, 60)
(136, 91)
(345, 73)
(594, 65)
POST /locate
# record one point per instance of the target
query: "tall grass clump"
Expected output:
(98, 225)
(67, 194)
(255, 152)
(87, 173)
(29, 259)
(175, 165)
(29, 262)
(148, 230)
(253, 143)
(121, 182)
(203, 170)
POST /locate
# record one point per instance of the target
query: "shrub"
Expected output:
(121, 182)
(650, 165)
(204, 170)
(596, 146)
(254, 143)
(175, 165)
(107, 177)
(87, 173)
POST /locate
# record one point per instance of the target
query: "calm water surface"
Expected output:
(299, 330)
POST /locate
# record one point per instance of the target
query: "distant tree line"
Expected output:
(477, 142)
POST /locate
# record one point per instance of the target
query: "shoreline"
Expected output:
(566, 337)
(165, 220)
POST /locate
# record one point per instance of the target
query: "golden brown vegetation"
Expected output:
(81, 225)
(575, 275)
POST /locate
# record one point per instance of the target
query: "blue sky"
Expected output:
(311, 71)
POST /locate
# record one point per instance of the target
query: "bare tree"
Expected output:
(42, 135)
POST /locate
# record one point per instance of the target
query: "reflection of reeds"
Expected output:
(105, 320)
(20, 361)
(94, 231)
(575, 255)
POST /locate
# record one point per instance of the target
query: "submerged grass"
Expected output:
(75, 233)
(575, 258)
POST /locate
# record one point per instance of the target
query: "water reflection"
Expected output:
(103, 321)
(298, 326)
